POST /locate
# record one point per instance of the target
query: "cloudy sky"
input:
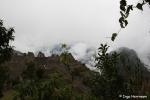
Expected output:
(44, 23)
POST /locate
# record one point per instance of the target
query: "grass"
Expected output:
(8, 95)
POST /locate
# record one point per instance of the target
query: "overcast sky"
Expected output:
(44, 23)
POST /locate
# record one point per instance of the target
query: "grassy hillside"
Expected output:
(48, 78)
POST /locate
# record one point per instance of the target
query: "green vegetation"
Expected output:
(53, 87)
(6, 35)
(76, 83)
(109, 84)
(8, 95)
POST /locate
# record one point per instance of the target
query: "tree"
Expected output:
(30, 71)
(33, 72)
(3, 77)
(53, 88)
(40, 73)
(107, 84)
(6, 35)
(65, 58)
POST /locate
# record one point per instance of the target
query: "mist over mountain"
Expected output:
(80, 51)
(86, 54)
(129, 64)
(129, 67)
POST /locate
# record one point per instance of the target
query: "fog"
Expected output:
(41, 24)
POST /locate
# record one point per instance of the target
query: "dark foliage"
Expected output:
(6, 35)
(125, 10)
(107, 83)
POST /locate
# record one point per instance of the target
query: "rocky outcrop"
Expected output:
(40, 54)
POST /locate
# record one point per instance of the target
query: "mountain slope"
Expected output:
(130, 64)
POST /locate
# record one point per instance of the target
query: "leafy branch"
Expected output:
(125, 10)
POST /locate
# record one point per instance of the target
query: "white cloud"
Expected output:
(84, 53)
(43, 23)
(79, 50)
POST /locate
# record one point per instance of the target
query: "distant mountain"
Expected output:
(80, 51)
(129, 67)
(51, 65)
(129, 64)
